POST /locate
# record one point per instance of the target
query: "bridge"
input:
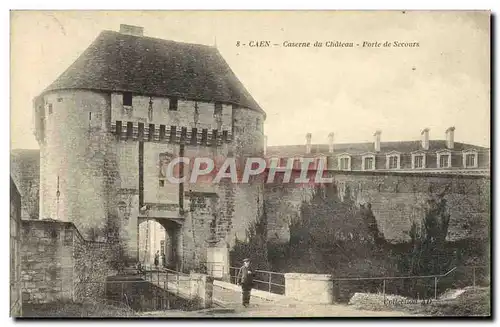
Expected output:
(226, 300)
(224, 294)
(307, 294)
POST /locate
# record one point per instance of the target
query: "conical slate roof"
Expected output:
(150, 66)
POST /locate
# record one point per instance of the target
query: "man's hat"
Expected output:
(246, 260)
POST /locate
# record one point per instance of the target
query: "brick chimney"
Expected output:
(308, 143)
(330, 142)
(450, 137)
(425, 139)
(376, 142)
(131, 30)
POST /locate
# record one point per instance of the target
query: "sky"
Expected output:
(351, 92)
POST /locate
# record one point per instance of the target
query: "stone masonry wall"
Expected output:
(15, 251)
(223, 212)
(217, 213)
(189, 114)
(247, 200)
(198, 230)
(25, 170)
(74, 156)
(396, 199)
(97, 175)
(92, 264)
(57, 263)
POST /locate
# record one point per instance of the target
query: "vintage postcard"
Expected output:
(250, 164)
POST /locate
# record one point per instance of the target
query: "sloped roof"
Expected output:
(24, 166)
(155, 67)
(14, 190)
(360, 148)
(28, 154)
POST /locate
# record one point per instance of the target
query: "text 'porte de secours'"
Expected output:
(328, 44)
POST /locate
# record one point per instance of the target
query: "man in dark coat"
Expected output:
(245, 279)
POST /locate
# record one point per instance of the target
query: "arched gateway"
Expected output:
(105, 125)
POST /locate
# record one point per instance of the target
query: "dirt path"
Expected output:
(272, 310)
(311, 311)
(259, 307)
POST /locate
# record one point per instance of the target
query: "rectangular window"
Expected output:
(218, 108)
(204, 136)
(443, 160)
(194, 134)
(172, 104)
(344, 163)
(214, 137)
(50, 108)
(470, 160)
(151, 132)
(162, 132)
(173, 133)
(127, 99)
(393, 162)
(418, 162)
(184, 132)
(368, 163)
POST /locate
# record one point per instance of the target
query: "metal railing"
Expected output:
(139, 295)
(415, 286)
(270, 281)
(164, 276)
(384, 279)
(479, 274)
(274, 282)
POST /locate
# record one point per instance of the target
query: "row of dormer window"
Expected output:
(418, 161)
(392, 161)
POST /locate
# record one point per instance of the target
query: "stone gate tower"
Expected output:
(107, 126)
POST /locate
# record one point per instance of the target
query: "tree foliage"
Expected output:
(333, 233)
(254, 246)
(428, 253)
(120, 258)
